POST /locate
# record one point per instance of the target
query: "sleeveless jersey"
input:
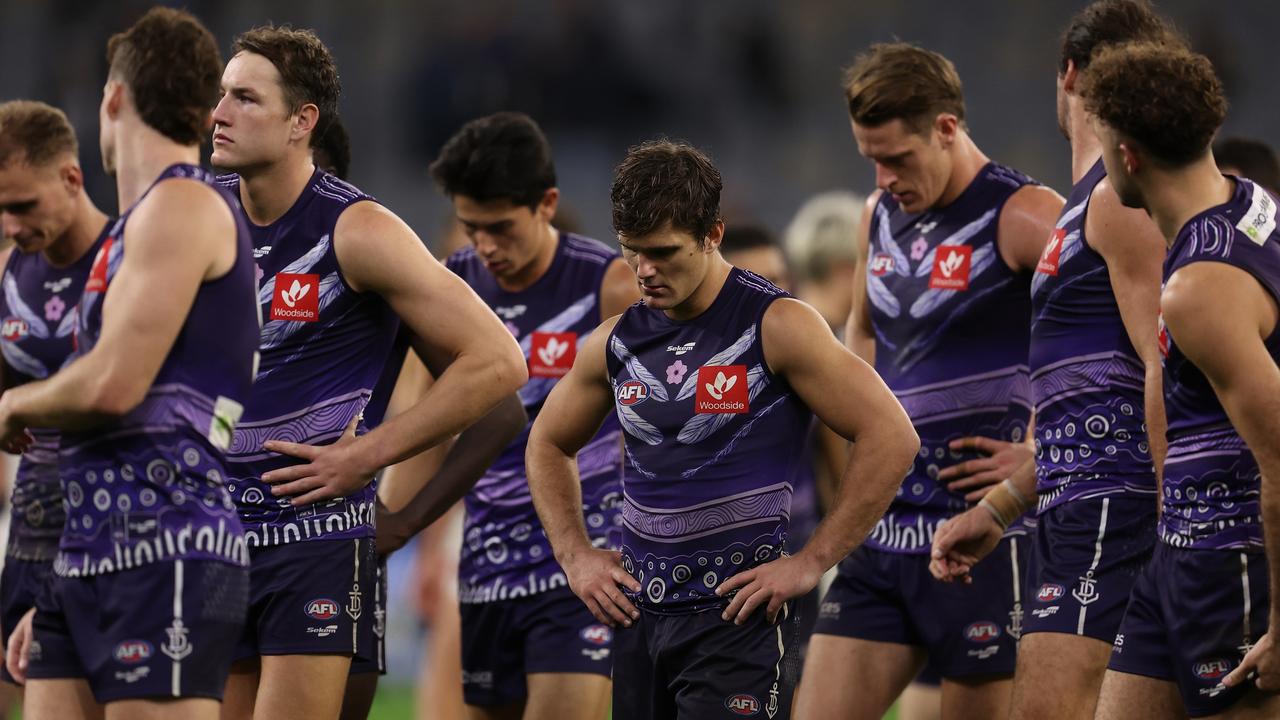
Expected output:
(951, 324)
(150, 486)
(505, 553)
(38, 309)
(1212, 483)
(1087, 380)
(330, 356)
(715, 439)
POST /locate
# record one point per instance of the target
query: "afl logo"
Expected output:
(322, 609)
(632, 392)
(982, 631)
(14, 329)
(742, 704)
(1049, 593)
(881, 264)
(132, 652)
(597, 634)
(1211, 669)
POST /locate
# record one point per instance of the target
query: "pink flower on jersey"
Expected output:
(259, 274)
(918, 248)
(54, 308)
(675, 372)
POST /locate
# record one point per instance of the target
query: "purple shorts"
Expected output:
(377, 662)
(311, 598)
(699, 666)
(966, 630)
(22, 582)
(1192, 617)
(1085, 558)
(505, 640)
(164, 630)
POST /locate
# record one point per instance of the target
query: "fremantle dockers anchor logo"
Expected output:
(178, 645)
(353, 603)
(1015, 621)
(1087, 592)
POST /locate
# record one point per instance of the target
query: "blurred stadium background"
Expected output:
(755, 82)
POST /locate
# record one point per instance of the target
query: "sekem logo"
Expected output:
(742, 704)
(982, 632)
(881, 264)
(632, 392)
(296, 298)
(132, 652)
(1049, 258)
(951, 268)
(551, 354)
(722, 389)
(321, 609)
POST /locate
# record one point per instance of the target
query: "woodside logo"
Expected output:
(951, 268)
(297, 298)
(551, 354)
(1049, 258)
(722, 389)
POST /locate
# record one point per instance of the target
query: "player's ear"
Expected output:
(305, 121)
(1070, 76)
(947, 126)
(1132, 162)
(72, 177)
(712, 241)
(546, 209)
(113, 98)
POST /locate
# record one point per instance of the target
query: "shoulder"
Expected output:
(192, 204)
(1032, 210)
(368, 219)
(788, 330)
(588, 250)
(1110, 227)
(461, 259)
(336, 189)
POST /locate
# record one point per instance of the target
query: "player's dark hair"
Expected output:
(663, 183)
(740, 238)
(172, 67)
(1109, 22)
(34, 133)
(308, 73)
(901, 81)
(331, 149)
(503, 156)
(1253, 158)
(1165, 98)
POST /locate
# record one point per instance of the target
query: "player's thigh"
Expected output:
(1125, 696)
(509, 711)
(59, 699)
(920, 701)
(852, 679)
(241, 691)
(184, 708)
(1255, 705)
(976, 697)
(301, 687)
(567, 696)
(1058, 676)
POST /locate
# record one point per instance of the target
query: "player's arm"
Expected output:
(1134, 251)
(1026, 222)
(466, 461)
(378, 253)
(1220, 316)
(859, 334)
(178, 237)
(847, 395)
(570, 417)
(618, 290)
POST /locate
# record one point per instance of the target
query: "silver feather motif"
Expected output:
(657, 391)
(637, 427)
(702, 426)
(24, 363)
(68, 324)
(275, 332)
(881, 297)
(564, 320)
(733, 441)
(297, 267)
(884, 238)
(35, 325)
(724, 357)
(959, 237)
(983, 258)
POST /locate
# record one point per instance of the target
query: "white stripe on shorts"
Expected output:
(176, 683)
(1097, 558)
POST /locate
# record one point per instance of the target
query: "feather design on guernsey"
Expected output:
(275, 332)
(929, 300)
(884, 238)
(701, 427)
(959, 237)
(68, 324)
(636, 426)
(733, 441)
(21, 361)
(35, 325)
(724, 357)
(538, 388)
(639, 372)
(882, 297)
(297, 267)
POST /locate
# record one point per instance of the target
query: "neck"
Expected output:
(966, 161)
(547, 242)
(1085, 146)
(142, 153)
(1174, 197)
(79, 237)
(268, 192)
(706, 292)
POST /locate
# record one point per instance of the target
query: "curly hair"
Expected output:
(34, 133)
(1108, 22)
(171, 64)
(1164, 97)
(308, 73)
(901, 81)
(662, 182)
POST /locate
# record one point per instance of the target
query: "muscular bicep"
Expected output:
(1134, 251)
(580, 401)
(859, 334)
(1026, 222)
(842, 390)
